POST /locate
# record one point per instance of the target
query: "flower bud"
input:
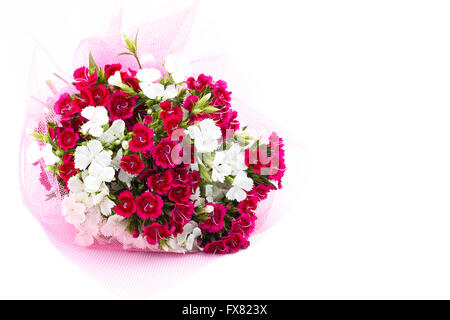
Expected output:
(125, 145)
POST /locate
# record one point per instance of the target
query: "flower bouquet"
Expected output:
(154, 159)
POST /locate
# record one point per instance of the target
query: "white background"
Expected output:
(364, 86)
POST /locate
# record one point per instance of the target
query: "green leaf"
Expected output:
(92, 65)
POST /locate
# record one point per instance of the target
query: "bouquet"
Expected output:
(154, 159)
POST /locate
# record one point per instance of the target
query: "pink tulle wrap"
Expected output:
(116, 269)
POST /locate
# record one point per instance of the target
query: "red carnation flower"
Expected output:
(130, 79)
(121, 105)
(155, 232)
(171, 124)
(51, 132)
(243, 225)
(248, 205)
(149, 205)
(67, 170)
(182, 212)
(167, 153)
(174, 227)
(165, 105)
(67, 138)
(180, 194)
(217, 247)
(261, 191)
(201, 82)
(110, 69)
(96, 96)
(190, 102)
(175, 113)
(142, 138)
(161, 182)
(215, 222)
(148, 119)
(83, 79)
(64, 107)
(235, 242)
(181, 176)
(221, 96)
(195, 180)
(132, 164)
(126, 207)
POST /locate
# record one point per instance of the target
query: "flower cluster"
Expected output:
(156, 161)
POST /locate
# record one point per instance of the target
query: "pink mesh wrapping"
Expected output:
(116, 269)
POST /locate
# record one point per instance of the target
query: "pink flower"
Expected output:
(235, 242)
(83, 79)
(215, 222)
(67, 170)
(167, 153)
(149, 206)
(121, 105)
(161, 182)
(126, 207)
(201, 82)
(180, 194)
(190, 102)
(64, 107)
(142, 138)
(132, 164)
(67, 138)
(155, 232)
(182, 212)
(216, 247)
(244, 225)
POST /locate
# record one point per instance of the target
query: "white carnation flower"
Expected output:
(114, 132)
(115, 80)
(220, 168)
(178, 66)
(49, 157)
(123, 176)
(97, 175)
(33, 153)
(148, 75)
(106, 206)
(206, 135)
(157, 90)
(98, 117)
(73, 211)
(170, 92)
(241, 184)
(152, 90)
(235, 158)
(91, 152)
